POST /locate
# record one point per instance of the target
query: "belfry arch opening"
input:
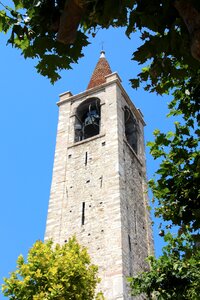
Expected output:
(87, 119)
(131, 129)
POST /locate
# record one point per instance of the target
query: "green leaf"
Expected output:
(135, 83)
(170, 134)
(150, 144)
(18, 4)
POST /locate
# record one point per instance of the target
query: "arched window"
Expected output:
(131, 129)
(88, 116)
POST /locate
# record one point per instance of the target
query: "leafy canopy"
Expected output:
(176, 186)
(53, 272)
(174, 275)
(55, 32)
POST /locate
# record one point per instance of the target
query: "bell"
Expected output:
(91, 124)
(91, 130)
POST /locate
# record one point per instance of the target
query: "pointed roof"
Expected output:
(101, 70)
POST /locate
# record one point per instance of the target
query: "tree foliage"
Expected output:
(174, 275)
(55, 32)
(53, 272)
(176, 186)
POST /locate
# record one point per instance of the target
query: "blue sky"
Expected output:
(28, 121)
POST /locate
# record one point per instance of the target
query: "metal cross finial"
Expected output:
(102, 50)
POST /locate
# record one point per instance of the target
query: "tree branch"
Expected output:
(191, 18)
(70, 20)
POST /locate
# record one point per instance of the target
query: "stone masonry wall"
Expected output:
(97, 191)
(87, 172)
(136, 229)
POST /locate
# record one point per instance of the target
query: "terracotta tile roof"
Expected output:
(101, 70)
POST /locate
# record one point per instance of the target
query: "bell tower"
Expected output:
(98, 187)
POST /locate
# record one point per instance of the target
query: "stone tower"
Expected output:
(98, 187)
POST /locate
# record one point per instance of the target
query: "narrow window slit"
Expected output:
(135, 222)
(86, 158)
(101, 181)
(129, 242)
(83, 214)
